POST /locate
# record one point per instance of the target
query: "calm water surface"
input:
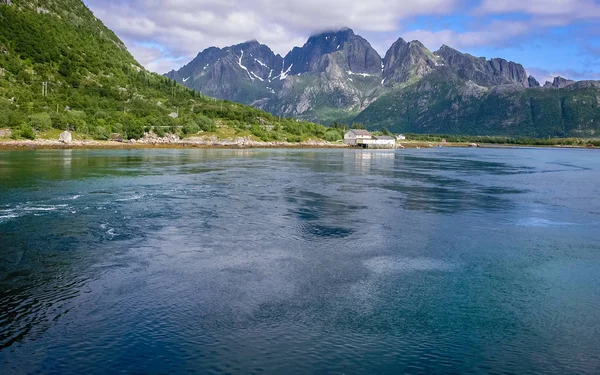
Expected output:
(300, 261)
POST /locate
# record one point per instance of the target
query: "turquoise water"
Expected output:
(300, 261)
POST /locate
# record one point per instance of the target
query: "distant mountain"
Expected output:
(334, 75)
(558, 83)
(338, 76)
(240, 73)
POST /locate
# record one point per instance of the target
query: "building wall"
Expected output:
(349, 138)
(377, 143)
(352, 139)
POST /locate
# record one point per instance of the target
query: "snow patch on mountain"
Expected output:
(361, 74)
(261, 63)
(257, 77)
(283, 74)
(243, 67)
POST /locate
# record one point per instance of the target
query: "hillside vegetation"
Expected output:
(442, 103)
(95, 87)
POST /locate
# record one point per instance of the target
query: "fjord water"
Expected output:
(300, 261)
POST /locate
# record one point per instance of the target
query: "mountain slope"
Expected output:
(407, 62)
(60, 67)
(493, 72)
(443, 103)
(242, 73)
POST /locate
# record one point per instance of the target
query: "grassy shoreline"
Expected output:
(510, 141)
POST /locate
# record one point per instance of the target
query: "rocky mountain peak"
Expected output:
(493, 72)
(250, 43)
(355, 53)
(558, 83)
(417, 44)
(407, 60)
(533, 82)
(446, 50)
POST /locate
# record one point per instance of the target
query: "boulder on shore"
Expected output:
(116, 137)
(5, 133)
(65, 137)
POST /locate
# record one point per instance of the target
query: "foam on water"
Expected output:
(386, 264)
(22, 210)
(541, 222)
(4, 218)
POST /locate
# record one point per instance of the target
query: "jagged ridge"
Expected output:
(336, 75)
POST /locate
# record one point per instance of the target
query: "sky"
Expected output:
(549, 37)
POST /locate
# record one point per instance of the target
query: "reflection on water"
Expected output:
(361, 162)
(299, 261)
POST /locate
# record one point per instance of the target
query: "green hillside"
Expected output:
(442, 103)
(95, 87)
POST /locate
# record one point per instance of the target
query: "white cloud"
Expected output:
(543, 75)
(545, 12)
(185, 28)
(496, 33)
(166, 34)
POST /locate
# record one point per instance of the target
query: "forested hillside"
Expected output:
(61, 68)
(443, 103)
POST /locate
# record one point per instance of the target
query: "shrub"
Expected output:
(332, 135)
(40, 121)
(100, 133)
(15, 119)
(294, 138)
(23, 131)
(190, 128)
(206, 124)
(258, 131)
(59, 121)
(174, 129)
(133, 129)
(117, 128)
(159, 131)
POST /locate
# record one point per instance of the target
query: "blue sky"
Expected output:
(549, 37)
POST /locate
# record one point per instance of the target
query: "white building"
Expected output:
(400, 137)
(381, 141)
(354, 135)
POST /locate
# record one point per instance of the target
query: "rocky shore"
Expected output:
(150, 140)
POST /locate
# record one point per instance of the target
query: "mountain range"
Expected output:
(338, 76)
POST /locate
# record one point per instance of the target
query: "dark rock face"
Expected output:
(533, 82)
(336, 69)
(484, 72)
(404, 61)
(256, 59)
(357, 54)
(242, 72)
(205, 58)
(558, 83)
